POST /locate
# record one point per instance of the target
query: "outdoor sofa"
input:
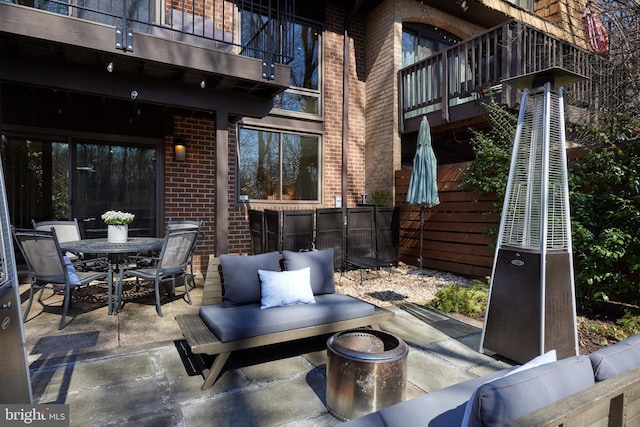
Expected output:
(265, 304)
(602, 388)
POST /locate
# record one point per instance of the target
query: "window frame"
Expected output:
(317, 93)
(72, 138)
(280, 131)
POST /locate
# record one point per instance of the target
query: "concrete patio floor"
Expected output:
(132, 369)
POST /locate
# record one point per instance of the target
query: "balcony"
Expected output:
(166, 49)
(448, 86)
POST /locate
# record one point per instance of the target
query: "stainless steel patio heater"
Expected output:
(531, 307)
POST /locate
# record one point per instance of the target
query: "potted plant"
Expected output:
(117, 225)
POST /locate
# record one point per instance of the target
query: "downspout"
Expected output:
(345, 111)
(345, 99)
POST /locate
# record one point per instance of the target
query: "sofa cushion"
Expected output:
(543, 359)
(233, 323)
(279, 288)
(321, 264)
(439, 408)
(240, 276)
(616, 359)
(508, 398)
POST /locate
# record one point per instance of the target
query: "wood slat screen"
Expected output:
(455, 232)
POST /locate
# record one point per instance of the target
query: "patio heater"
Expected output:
(531, 308)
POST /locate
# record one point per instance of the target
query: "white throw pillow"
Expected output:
(543, 359)
(280, 288)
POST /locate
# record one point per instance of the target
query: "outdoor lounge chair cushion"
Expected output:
(234, 323)
(321, 264)
(440, 408)
(506, 399)
(611, 361)
(545, 358)
(280, 288)
(240, 276)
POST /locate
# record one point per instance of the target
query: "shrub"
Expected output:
(471, 300)
(605, 208)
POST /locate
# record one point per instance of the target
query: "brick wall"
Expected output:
(190, 186)
(383, 61)
(333, 108)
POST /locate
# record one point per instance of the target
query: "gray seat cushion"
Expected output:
(240, 276)
(441, 408)
(508, 398)
(616, 359)
(321, 264)
(239, 322)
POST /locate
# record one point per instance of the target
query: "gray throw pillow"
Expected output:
(240, 276)
(321, 264)
(506, 399)
(612, 361)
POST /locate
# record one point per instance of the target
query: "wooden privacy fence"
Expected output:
(455, 232)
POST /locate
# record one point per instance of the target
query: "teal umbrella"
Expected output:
(423, 186)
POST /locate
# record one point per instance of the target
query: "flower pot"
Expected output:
(117, 233)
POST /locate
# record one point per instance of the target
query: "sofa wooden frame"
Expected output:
(202, 341)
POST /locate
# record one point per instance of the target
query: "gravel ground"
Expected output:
(397, 286)
(387, 287)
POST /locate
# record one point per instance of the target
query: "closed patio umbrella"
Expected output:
(595, 32)
(423, 185)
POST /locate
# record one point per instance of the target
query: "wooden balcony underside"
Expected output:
(162, 71)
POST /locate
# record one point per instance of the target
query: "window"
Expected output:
(115, 177)
(50, 178)
(304, 60)
(304, 96)
(422, 41)
(278, 166)
(525, 4)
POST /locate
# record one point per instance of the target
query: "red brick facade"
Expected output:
(190, 186)
(373, 139)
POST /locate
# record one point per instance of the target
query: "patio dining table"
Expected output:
(115, 253)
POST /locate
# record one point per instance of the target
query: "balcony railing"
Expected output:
(257, 28)
(475, 68)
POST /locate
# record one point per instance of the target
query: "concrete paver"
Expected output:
(131, 369)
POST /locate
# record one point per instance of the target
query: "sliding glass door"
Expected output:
(115, 177)
(65, 178)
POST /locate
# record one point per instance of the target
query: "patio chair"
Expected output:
(66, 231)
(186, 224)
(47, 267)
(171, 264)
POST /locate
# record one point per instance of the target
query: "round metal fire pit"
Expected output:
(366, 371)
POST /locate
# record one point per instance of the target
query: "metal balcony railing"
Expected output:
(476, 67)
(258, 28)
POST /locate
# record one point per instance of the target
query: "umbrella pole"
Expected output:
(421, 233)
(419, 270)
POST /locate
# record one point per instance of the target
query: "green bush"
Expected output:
(605, 208)
(471, 300)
